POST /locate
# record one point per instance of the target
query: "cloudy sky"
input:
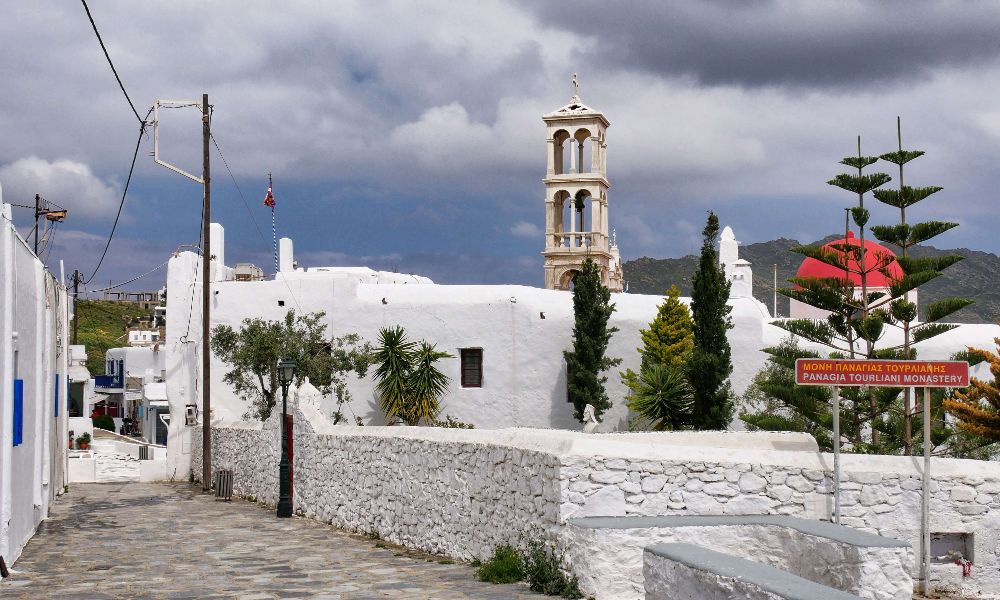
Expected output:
(408, 135)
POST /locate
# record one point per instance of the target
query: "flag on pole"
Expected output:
(269, 198)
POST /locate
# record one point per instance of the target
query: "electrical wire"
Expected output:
(231, 176)
(133, 280)
(111, 64)
(128, 180)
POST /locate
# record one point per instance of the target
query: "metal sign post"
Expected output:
(886, 373)
(925, 512)
(836, 454)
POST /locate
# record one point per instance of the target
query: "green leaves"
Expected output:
(942, 308)
(905, 198)
(859, 184)
(926, 331)
(584, 364)
(662, 396)
(921, 232)
(254, 350)
(860, 216)
(407, 380)
(815, 331)
(911, 264)
(859, 162)
(901, 157)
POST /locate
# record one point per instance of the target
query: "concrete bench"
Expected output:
(688, 572)
(607, 552)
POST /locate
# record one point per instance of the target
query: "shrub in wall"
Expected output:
(105, 422)
(505, 566)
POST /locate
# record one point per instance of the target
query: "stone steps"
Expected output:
(607, 552)
(689, 572)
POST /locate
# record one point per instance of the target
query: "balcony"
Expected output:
(580, 241)
(108, 383)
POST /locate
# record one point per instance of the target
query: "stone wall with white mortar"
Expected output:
(460, 492)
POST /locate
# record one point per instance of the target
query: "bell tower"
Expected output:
(576, 196)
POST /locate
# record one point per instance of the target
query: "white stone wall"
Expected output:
(609, 561)
(670, 580)
(460, 492)
(34, 334)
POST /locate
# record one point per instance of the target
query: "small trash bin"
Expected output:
(224, 484)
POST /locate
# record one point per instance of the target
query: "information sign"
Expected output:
(882, 373)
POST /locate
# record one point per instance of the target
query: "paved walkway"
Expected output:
(115, 468)
(138, 540)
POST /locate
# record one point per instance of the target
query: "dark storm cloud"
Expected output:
(798, 44)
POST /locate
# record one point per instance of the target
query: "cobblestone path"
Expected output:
(138, 540)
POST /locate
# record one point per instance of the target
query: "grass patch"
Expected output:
(505, 566)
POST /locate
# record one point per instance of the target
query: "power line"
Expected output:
(133, 280)
(138, 142)
(111, 64)
(231, 176)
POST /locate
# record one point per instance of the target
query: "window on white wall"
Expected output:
(472, 367)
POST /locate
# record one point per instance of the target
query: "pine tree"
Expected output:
(711, 362)
(584, 364)
(669, 339)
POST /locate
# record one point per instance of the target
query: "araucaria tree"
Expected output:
(711, 362)
(407, 379)
(584, 364)
(858, 316)
(254, 350)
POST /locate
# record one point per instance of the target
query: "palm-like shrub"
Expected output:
(407, 380)
(662, 396)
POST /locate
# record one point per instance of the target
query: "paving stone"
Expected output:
(158, 541)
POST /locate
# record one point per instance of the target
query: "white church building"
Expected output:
(507, 340)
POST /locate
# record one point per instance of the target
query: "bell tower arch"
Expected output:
(576, 196)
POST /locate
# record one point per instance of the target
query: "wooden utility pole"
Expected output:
(206, 270)
(77, 276)
(37, 200)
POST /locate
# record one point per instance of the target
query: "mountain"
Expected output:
(103, 325)
(977, 277)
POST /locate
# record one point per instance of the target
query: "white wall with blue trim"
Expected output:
(34, 318)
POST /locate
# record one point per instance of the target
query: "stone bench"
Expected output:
(607, 552)
(688, 572)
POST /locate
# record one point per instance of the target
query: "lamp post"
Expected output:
(286, 373)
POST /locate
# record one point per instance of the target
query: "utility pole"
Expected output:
(37, 214)
(206, 269)
(77, 276)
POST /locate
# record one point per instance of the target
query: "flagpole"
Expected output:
(274, 228)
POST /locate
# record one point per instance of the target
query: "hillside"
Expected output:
(976, 277)
(103, 325)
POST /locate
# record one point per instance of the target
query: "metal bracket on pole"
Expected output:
(156, 134)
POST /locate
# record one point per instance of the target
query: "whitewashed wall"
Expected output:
(461, 492)
(34, 315)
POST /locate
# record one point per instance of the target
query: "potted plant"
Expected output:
(83, 442)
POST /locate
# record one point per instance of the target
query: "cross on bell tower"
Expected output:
(576, 196)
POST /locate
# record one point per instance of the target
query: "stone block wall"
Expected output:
(461, 492)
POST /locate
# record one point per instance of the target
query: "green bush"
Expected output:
(546, 573)
(105, 422)
(505, 566)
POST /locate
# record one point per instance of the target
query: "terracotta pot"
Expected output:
(84, 445)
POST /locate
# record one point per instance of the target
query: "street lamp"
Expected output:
(286, 373)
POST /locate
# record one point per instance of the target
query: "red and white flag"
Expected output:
(269, 198)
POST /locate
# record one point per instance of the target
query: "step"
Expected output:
(607, 552)
(689, 572)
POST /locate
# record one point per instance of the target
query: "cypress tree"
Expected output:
(584, 364)
(711, 361)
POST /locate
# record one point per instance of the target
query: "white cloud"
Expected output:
(66, 182)
(526, 230)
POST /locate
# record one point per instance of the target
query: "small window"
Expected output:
(472, 367)
(281, 302)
